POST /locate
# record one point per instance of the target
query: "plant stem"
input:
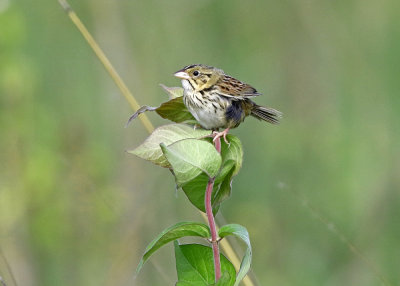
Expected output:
(213, 229)
(217, 144)
(211, 221)
(107, 64)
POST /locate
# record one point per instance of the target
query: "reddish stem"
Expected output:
(211, 221)
(217, 144)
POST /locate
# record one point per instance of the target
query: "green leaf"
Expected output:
(195, 189)
(224, 280)
(233, 151)
(175, 110)
(192, 173)
(150, 149)
(174, 232)
(240, 232)
(191, 157)
(195, 266)
(224, 189)
(173, 92)
(186, 283)
(232, 158)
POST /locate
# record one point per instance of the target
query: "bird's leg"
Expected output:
(217, 135)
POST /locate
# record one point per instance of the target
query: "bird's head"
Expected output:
(198, 77)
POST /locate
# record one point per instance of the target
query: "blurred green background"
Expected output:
(75, 209)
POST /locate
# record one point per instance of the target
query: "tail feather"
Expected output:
(267, 114)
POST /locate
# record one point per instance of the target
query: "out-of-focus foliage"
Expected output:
(75, 209)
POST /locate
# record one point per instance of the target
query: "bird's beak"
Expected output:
(182, 75)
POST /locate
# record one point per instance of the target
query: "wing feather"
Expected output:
(233, 88)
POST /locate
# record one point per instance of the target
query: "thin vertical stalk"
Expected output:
(107, 64)
(7, 268)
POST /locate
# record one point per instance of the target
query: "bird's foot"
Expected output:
(216, 135)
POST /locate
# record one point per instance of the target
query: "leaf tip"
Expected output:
(133, 116)
(138, 268)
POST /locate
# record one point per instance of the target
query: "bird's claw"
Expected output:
(223, 134)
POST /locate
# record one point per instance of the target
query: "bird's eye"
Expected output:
(196, 73)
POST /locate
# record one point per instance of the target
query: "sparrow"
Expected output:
(218, 100)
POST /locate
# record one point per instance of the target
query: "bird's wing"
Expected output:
(231, 87)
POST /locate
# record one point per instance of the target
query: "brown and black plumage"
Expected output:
(218, 100)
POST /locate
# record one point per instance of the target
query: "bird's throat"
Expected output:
(187, 85)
